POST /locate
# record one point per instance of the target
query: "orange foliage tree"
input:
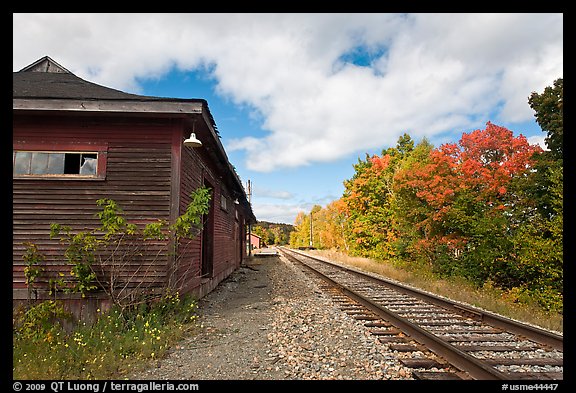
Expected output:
(368, 200)
(464, 191)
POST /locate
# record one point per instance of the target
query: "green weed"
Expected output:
(114, 345)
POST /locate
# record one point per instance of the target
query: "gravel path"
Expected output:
(268, 321)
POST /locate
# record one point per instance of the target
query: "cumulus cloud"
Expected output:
(424, 74)
(274, 212)
(538, 140)
(263, 192)
(283, 206)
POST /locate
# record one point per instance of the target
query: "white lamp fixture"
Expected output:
(192, 141)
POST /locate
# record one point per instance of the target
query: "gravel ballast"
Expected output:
(269, 321)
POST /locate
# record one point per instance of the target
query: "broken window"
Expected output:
(223, 203)
(31, 163)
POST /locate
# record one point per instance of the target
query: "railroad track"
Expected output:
(462, 342)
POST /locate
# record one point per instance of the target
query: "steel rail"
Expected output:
(475, 367)
(533, 333)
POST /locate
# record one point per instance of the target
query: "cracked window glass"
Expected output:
(55, 163)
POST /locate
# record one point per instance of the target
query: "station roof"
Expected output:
(46, 85)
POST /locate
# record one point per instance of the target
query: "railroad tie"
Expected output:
(431, 375)
(406, 348)
(386, 332)
(422, 363)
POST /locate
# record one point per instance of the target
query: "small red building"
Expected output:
(75, 142)
(255, 241)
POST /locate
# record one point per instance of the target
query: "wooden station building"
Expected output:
(75, 142)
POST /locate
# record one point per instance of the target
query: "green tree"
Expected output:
(549, 113)
(537, 215)
(408, 208)
(102, 257)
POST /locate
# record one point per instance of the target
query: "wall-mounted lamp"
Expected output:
(192, 141)
(236, 201)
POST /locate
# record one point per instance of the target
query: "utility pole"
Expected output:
(249, 187)
(310, 228)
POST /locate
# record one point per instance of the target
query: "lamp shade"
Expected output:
(192, 141)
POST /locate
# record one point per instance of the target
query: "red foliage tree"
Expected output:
(462, 182)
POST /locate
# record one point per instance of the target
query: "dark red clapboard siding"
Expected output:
(138, 174)
(142, 159)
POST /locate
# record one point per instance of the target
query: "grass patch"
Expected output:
(487, 297)
(113, 346)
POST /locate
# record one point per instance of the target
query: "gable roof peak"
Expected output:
(45, 64)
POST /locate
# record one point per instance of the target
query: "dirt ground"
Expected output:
(232, 339)
(270, 321)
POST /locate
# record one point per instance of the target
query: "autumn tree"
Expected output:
(259, 231)
(488, 208)
(368, 197)
(272, 233)
(409, 210)
(470, 208)
(332, 233)
(300, 236)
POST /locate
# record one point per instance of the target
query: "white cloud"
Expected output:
(267, 207)
(436, 73)
(538, 140)
(273, 194)
(279, 213)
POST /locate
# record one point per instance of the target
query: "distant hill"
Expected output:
(273, 233)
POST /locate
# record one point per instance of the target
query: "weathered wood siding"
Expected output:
(187, 268)
(150, 175)
(227, 230)
(138, 178)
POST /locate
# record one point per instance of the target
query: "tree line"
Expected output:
(273, 233)
(488, 208)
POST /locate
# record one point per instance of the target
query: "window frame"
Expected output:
(224, 203)
(100, 149)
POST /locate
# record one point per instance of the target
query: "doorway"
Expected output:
(208, 236)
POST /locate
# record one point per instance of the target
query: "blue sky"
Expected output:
(298, 98)
(279, 194)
